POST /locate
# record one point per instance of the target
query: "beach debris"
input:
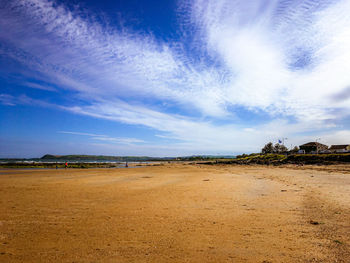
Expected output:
(283, 190)
(312, 222)
(206, 180)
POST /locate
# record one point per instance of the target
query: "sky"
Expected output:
(172, 78)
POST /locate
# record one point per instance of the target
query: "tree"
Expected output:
(268, 148)
(295, 149)
(279, 148)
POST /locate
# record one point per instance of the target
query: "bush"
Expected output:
(268, 148)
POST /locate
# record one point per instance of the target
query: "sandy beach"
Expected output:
(176, 213)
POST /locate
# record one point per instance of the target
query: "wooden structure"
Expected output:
(313, 147)
(340, 148)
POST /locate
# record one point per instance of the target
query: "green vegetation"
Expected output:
(269, 158)
(338, 242)
(279, 154)
(332, 158)
(278, 159)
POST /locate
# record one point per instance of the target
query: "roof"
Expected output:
(313, 144)
(339, 147)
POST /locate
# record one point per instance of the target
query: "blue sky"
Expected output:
(171, 78)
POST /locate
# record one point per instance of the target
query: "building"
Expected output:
(313, 147)
(340, 148)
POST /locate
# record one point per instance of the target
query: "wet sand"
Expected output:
(176, 213)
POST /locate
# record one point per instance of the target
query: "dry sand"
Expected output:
(176, 213)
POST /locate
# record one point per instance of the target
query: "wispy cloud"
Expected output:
(81, 133)
(102, 137)
(7, 99)
(343, 95)
(204, 136)
(10, 100)
(39, 86)
(288, 59)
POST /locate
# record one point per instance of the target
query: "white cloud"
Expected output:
(7, 99)
(102, 137)
(83, 56)
(39, 86)
(256, 46)
(195, 137)
(262, 45)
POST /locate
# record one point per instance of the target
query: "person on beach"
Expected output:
(66, 165)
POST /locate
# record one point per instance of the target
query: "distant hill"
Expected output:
(98, 158)
(48, 157)
(103, 158)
